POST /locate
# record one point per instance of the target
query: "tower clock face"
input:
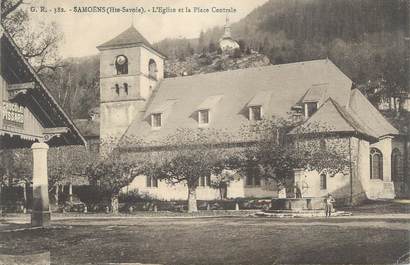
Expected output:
(121, 60)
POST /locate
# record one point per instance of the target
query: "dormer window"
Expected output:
(156, 121)
(159, 113)
(255, 113)
(260, 101)
(310, 108)
(204, 109)
(203, 117)
(121, 65)
(313, 98)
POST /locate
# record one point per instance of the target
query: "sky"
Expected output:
(84, 31)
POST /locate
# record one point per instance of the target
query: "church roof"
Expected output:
(287, 84)
(365, 113)
(360, 117)
(129, 37)
(332, 118)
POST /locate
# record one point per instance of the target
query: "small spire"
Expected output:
(227, 31)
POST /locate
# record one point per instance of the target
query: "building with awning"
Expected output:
(31, 117)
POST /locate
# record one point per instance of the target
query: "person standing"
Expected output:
(329, 204)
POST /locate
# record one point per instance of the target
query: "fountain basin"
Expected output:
(298, 204)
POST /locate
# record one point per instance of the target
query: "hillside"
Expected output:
(368, 39)
(213, 62)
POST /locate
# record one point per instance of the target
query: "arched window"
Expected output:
(121, 64)
(376, 164)
(323, 181)
(117, 89)
(152, 69)
(396, 165)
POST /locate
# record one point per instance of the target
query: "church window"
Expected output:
(396, 165)
(310, 108)
(203, 117)
(249, 180)
(253, 181)
(152, 69)
(126, 88)
(117, 89)
(152, 182)
(121, 65)
(257, 181)
(376, 164)
(156, 121)
(205, 181)
(323, 181)
(255, 113)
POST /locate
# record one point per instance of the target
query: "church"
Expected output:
(137, 101)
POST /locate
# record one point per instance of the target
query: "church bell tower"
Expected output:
(130, 68)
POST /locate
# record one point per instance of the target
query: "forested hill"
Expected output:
(323, 20)
(368, 39)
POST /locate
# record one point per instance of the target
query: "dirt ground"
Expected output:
(228, 240)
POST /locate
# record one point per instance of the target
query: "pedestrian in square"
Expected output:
(329, 204)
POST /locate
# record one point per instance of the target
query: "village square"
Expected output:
(228, 148)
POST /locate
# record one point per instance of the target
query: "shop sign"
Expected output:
(13, 114)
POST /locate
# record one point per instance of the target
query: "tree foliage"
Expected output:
(113, 171)
(38, 41)
(275, 154)
(189, 155)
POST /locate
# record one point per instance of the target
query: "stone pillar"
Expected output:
(41, 211)
(70, 192)
(25, 195)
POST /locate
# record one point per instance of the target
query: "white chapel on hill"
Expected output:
(136, 100)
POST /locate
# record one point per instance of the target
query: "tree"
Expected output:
(8, 6)
(212, 47)
(15, 168)
(221, 182)
(275, 155)
(187, 156)
(38, 44)
(201, 41)
(65, 164)
(113, 171)
(237, 53)
(242, 45)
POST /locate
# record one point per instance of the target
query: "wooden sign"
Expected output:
(13, 114)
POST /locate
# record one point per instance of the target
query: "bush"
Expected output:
(91, 196)
(12, 198)
(133, 197)
(237, 53)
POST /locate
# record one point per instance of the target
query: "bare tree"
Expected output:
(38, 41)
